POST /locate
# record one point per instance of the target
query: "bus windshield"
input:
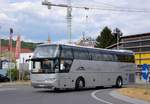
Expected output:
(46, 51)
(45, 66)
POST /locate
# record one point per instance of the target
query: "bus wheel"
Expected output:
(119, 82)
(80, 83)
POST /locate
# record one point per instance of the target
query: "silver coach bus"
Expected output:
(59, 66)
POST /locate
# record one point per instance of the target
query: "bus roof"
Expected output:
(104, 50)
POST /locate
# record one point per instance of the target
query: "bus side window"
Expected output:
(84, 54)
(76, 54)
(131, 59)
(115, 58)
(66, 53)
(121, 58)
(65, 65)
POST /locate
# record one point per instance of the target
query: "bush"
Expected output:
(14, 74)
(26, 75)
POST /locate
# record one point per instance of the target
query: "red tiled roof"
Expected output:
(23, 50)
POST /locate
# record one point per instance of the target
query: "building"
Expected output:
(4, 53)
(86, 41)
(139, 43)
(5, 57)
(22, 63)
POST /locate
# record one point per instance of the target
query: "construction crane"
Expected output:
(69, 14)
(69, 11)
(68, 17)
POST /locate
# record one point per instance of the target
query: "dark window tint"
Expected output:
(121, 58)
(97, 56)
(83, 54)
(103, 57)
(115, 58)
(125, 58)
(107, 57)
(66, 53)
(76, 53)
(131, 58)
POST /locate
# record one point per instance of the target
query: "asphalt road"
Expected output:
(29, 95)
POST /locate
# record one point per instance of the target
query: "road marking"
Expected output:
(93, 94)
(7, 89)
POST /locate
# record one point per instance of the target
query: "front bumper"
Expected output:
(42, 85)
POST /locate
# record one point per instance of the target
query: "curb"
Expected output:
(116, 95)
(13, 84)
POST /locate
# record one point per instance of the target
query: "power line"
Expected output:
(114, 8)
(109, 8)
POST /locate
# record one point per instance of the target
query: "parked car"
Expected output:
(4, 78)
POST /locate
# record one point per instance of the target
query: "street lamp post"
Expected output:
(10, 50)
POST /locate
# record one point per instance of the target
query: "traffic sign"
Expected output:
(145, 71)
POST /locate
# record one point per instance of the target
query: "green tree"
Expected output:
(105, 38)
(26, 75)
(14, 74)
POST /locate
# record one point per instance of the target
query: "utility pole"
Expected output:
(10, 52)
(117, 34)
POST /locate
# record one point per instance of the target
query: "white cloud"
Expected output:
(3, 17)
(31, 19)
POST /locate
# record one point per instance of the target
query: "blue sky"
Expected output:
(35, 22)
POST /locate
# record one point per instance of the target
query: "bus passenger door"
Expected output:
(65, 78)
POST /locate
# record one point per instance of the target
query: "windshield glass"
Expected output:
(46, 51)
(45, 66)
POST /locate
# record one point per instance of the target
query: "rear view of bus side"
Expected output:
(60, 66)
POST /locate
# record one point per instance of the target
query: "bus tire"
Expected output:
(119, 82)
(80, 83)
